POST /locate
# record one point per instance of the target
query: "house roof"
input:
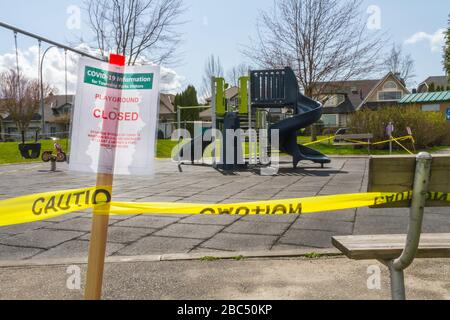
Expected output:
(344, 108)
(167, 104)
(355, 90)
(53, 103)
(206, 114)
(398, 80)
(440, 81)
(230, 93)
(442, 96)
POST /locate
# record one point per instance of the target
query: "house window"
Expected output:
(390, 85)
(52, 130)
(390, 95)
(431, 107)
(330, 120)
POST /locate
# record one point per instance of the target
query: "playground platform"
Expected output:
(67, 236)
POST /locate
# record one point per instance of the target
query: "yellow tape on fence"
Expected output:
(49, 205)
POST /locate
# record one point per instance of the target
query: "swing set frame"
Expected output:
(52, 44)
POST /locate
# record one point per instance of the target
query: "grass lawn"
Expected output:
(9, 152)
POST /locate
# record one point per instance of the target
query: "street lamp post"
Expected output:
(42, 90)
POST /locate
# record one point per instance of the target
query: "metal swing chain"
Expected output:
(39, 62)
(17, 66)
(65, 74)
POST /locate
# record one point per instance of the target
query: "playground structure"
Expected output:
(259, 96)
(33, 150)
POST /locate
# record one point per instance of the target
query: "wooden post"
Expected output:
(100, 222)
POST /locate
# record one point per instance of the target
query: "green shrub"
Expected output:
(429, 128)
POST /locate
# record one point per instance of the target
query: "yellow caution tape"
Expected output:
(319, 141)
(49, 205)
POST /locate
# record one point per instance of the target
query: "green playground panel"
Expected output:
(220, 96)
(243, 95)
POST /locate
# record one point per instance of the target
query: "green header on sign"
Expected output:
(121, 81)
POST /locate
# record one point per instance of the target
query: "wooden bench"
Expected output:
(349, 140)
(422, 174)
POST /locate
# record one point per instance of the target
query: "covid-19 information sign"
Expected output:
(115, 119)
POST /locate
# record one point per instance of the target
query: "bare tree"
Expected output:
(236, 72)
(400, 64)
(321, 40)
(20, 98)
(213, 68)
(138, 29)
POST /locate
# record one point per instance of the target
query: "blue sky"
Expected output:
(221, 27)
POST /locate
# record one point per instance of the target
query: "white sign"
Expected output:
(115, 119)
(390, 129)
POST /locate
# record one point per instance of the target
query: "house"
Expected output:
(167, 116)
(231, 96)
(433, 83)
(57, 118)
(342, 98)
(57, 113)
(430, 102)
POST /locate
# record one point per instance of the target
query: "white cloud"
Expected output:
(53, 71)
(436, 40)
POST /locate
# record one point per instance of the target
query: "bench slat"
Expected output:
(354, 136)
(387, 247)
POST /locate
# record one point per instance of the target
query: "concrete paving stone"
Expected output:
(69, 216)
(75, 249)
(289, 247)
(147, 221)
(189, 231)
(158, 245)
(436, 223)
(42, 238)
(239, 242)
(380, 225)
(21, 228)
(261, 228)
(295, 195)
(207, 252)
(388, 212)
(308, 238)
(238, 200)
(219, 220)
(348, 215)
(253, 197)
(161, 198)
(116, 218)
(11, 253)
(77, 224)
(205, 199)
(285, 218)
(337, 191)
(180, 193)
(325, 225)
(4, 236)
(123, 234)
(437, 210)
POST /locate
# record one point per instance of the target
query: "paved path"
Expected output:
(67, 236)
(254, 279)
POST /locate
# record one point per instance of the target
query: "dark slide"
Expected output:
(307, 112)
